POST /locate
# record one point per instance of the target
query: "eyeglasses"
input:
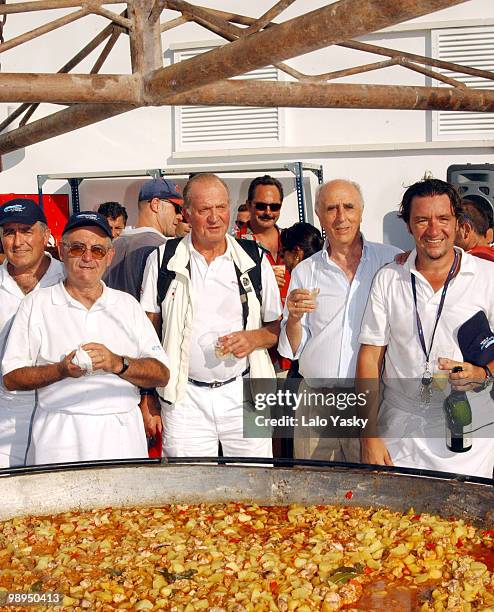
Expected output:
(273, 207)
(177, 207)
(78, 250)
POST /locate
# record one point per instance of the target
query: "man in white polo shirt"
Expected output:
(85, 348)
(210, 344)
(410, 334)
(324, 337)
(25, 234)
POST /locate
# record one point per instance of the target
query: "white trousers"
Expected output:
(59, 437)
(15, 420)
(428, 450)
(194, 426)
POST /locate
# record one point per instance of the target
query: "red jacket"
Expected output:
(246, 232)
(484, 252)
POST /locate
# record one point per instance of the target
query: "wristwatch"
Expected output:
(489, 378)
(125, 366)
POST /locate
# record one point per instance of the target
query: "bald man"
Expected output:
(322, 333)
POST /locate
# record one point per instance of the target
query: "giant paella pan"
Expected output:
(242, 538)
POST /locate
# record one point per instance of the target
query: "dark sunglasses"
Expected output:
(78, 250)
(177, 207)
(274, 207)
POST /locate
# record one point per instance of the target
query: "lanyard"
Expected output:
(420, 329)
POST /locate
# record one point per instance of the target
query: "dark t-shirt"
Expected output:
(132, 249)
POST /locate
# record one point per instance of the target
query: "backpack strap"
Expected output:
(165, 276)
(252, 248)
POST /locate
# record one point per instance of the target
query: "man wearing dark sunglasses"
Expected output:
(159, 212)
(264, 202)
(85, 348)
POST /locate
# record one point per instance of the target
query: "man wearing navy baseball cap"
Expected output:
(159, 211)
(84, 347)
(88, 219)
(27, 267)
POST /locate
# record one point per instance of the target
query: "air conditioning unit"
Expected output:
(475, 182)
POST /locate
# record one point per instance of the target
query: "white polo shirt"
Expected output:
(11, 296)
(216, 307)
(50, 324)
(390, 321)
(329, 344)
(414, 433)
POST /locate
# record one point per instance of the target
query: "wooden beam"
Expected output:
(334, 23)
(43, 5)
(427, 61)
(145, 38)
(431, 73)
(264, 93)
(72, 63)
(263, 21)
(44, 29)
(244, 92)
(105, 52)
(61, 122)
(325, 26)
(156, 11)
(173, 23)
(117, 19)
(338, 74)
(69, 88)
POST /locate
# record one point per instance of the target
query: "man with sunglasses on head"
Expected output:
(85, 348)
(159, 212)
(27, 267)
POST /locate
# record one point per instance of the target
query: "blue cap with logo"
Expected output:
(21, 210)
(160, 188)
(476, 340)
(87, 218)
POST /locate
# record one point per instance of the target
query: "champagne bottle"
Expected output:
(458, 422)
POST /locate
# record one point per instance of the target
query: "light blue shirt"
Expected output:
(329, 344)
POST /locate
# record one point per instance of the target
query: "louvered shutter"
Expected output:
(219, 127)
(471, 47)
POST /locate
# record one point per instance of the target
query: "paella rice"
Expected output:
(240, 557)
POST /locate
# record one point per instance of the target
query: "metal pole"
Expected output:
(74, 192)
(299, 186)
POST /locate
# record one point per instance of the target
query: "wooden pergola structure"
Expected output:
(250, 43)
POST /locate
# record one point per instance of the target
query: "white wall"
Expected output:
(348, 143)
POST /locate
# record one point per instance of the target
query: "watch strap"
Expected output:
(488, 374)
(125, 366)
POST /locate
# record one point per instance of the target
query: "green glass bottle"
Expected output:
(458, 422)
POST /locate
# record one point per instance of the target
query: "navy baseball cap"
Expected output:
(87, 218)
(476, 340)
(160, 188)
(21, 210)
